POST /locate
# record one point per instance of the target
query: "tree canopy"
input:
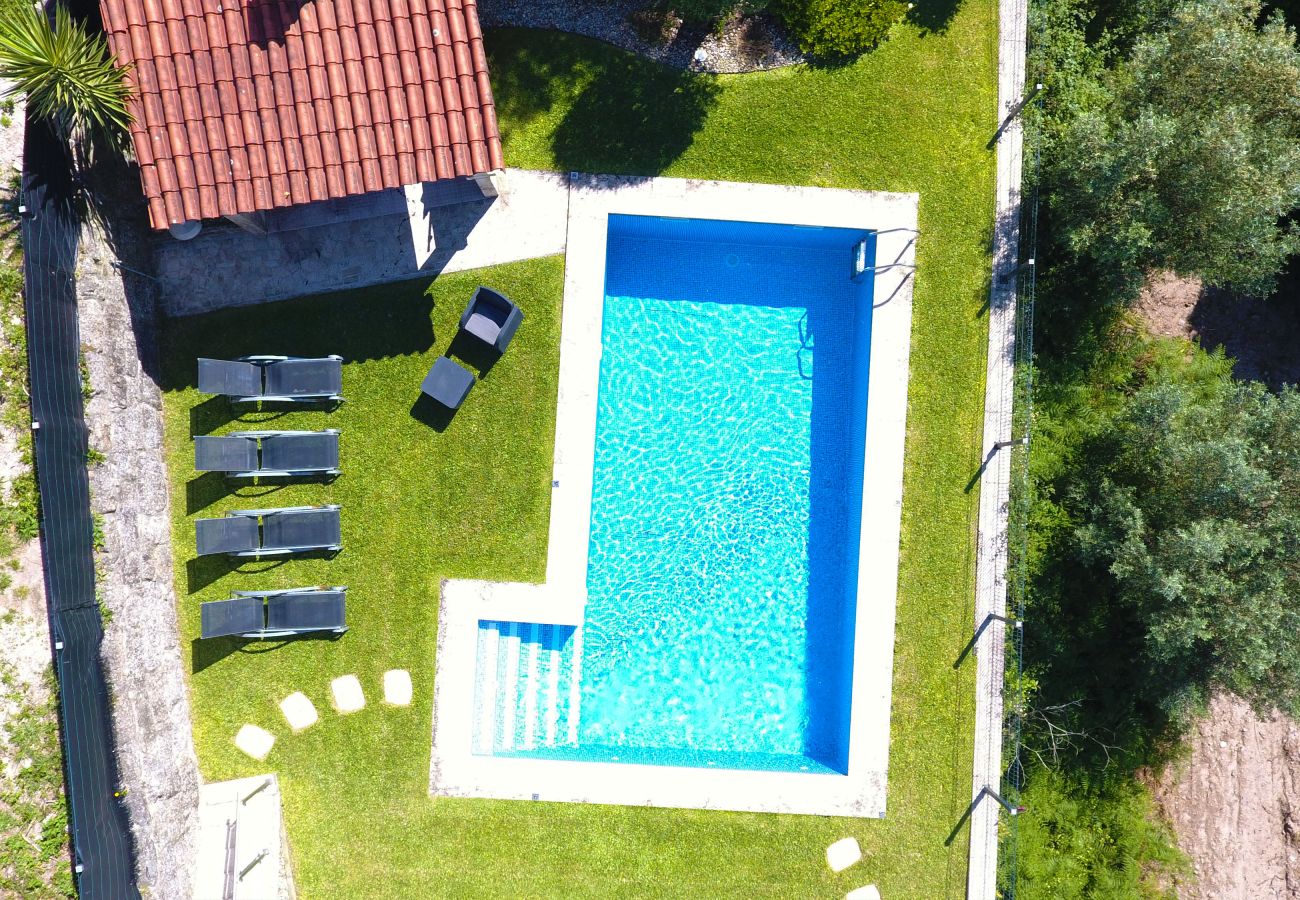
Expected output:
(1174, 140)
(1183, 507)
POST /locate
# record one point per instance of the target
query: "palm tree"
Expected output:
(67, 74)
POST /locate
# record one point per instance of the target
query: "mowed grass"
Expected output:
(473, 500)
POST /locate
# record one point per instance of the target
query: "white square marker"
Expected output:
(397, 687)
(298, 711)
(868, 892)
(347, 695)
(843, 853)
(254, 741)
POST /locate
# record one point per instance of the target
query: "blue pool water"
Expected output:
(726, 501)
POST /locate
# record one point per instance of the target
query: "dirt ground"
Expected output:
(1234, 804)
(1263, 336)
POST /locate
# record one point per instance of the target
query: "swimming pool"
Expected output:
(722, 565)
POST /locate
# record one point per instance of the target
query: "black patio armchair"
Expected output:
(269, 454)
(276, 614)
(255, 533)
(492, 317)
(279, 379)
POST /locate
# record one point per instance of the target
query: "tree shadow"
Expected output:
(932, 16)
(628, 115)
(1262, 336)
(633, 119)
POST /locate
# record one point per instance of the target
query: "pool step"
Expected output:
(526, 686)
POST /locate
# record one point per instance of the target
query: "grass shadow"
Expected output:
(430, 412)
(932, 16)
(203, 491)
(360, 324)
(475, 352)
(204, 653)
(622, 114)
(202, 571)
(211, 414)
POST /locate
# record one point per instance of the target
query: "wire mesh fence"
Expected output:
(1021, 495)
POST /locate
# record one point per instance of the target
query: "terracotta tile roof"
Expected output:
(246, 105)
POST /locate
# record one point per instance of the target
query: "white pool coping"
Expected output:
(454, 770)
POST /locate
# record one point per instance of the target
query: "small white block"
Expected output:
(868, 892)
(254, 741)
(397, 687)
(298, 711)
(347, 694)
(843, 853)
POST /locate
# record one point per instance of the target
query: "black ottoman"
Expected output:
(448, 383)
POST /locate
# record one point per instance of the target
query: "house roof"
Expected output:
(247, 105)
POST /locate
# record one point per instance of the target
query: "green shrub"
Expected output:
(836, 29)
(1090, 837)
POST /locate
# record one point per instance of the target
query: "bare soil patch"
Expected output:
(1261, 336)
(1234, 804)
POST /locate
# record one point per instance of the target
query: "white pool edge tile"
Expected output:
(454, 770)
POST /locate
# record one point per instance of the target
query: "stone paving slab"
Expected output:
(225, 266)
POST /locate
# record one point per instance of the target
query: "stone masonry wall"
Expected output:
(151, 714)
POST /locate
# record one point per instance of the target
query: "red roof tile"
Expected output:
(248, 105)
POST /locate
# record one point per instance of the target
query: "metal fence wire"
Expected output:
(1021, 498)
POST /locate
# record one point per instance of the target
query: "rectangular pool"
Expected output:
(725, 516)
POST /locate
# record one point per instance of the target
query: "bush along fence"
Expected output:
(102, 856)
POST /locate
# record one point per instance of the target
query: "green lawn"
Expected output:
(419, 505)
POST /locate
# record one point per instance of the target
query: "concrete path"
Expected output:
(991, 571)
(225, 266)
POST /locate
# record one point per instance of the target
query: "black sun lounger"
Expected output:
(283, 454)
(275, 614)
(284, 379)
(248, 533)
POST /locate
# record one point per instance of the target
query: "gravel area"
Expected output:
(744, 43)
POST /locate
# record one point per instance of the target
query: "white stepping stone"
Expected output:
(347, 694)
(254, 741)
(298, 711)
(869, 892)
(843, 853)
(397, 687)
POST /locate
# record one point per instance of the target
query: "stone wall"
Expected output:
(151, 714)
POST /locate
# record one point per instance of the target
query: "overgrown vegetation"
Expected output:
(1159, 545)
(840, 29)
(33, 812)
(1171, 139)
(828, 30)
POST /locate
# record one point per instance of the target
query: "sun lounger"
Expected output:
(275, 614)
(283, 454)
(492, 317)
(252, 533)
(284, 379)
